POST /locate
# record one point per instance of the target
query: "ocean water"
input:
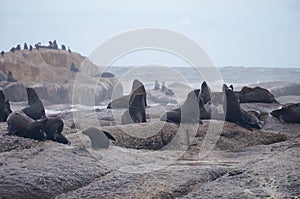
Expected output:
(237, 76)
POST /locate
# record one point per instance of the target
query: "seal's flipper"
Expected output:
(61, 139)
(243, 123)
(109, 136)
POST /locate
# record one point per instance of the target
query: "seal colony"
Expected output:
(202, 104)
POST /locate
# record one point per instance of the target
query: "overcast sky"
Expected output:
(233, 32)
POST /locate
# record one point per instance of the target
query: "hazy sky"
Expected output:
(233, 32)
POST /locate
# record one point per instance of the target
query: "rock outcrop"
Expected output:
(48, 71)
(45, 65)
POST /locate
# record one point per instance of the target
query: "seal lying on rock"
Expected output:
(99, 139)
(4, 107)
(136, 112)
(53, 128)
(21, 125)
(188, 112)
(289, 113)
(234, 113)
(256, 94)
(35, 108)
(50, 128)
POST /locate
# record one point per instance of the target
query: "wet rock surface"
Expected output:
(154, 159)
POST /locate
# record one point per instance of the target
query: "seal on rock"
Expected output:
(123, 102)
(234, 113)
(205, 93)
(289, 113)
(188, 112)
(138, 87)
(99, 139)
(156, 85)
(35, 130)
(35, 108)
(136, 112)
(4, 107)
(53, 128)
(256, 94)
(21, 125)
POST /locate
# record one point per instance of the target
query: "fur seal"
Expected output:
(123, 102)
(188, 112)
(156, 85)
(205, 93)
(136, 111)
(53, 128)
(99, 139)
(234, 113)
(4, 107)
(49, 128)
(23, 126)
(205, 110)
(289, 113)
(256, 94)
(35, 108)
(138, 87)
(163, 86)
(10, 77)
(35, 130)
(73, 68)
(25, 46)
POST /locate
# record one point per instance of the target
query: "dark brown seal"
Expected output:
(139, 88)
(123, 102)
(205, 93)
(256, 94)
(136, 112)
(188, 112)
(234, 113)
(21, 125)
(288, 113)
(35, 108)
(53, 128)
(4, 107)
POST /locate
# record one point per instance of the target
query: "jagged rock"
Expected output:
(15, 92)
